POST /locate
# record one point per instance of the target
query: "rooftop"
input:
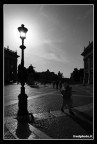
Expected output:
(87, 49)
(8, 51)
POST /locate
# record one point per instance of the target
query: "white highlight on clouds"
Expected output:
(48, 50)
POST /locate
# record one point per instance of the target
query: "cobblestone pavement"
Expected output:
(53, 125)
(64, 127)
(11, 92)
(47, 100)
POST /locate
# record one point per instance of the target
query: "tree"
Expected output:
(60, 75)
(31, 69)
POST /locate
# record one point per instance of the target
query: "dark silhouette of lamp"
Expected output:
(22, 104)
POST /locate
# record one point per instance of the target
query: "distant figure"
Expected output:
(67, 100)
(60, 85)
(56, 84)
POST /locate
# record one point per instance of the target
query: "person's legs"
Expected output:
(70, 106)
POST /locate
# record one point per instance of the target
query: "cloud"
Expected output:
(51, 56)
(52, 50)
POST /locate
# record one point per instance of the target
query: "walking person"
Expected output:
(56, 84)
(67, 97)
(53, 84)
(60, 85)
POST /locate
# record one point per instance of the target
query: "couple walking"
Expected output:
(66, 92)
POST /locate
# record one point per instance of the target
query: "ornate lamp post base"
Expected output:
(23, 114)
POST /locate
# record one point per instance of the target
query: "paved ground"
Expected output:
(50, 122)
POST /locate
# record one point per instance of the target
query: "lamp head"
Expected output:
(23, 30)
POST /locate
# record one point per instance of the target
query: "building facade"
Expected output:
(88, 64)
(10, 66)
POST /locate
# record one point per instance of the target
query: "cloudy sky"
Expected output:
(56, 34)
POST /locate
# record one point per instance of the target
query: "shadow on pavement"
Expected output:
(23, 131)
(88, 117)
(86, 125)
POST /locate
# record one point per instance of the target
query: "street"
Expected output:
(44, 102)
(46, 98)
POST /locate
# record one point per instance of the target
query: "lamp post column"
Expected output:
(22, 96)
(22, 67)
(22, 48)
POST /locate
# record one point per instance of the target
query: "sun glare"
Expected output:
(33, 36)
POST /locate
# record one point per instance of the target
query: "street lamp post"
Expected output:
(22, 104)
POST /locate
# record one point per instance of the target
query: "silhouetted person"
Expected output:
(60, 85)
(56, 84)
(53, 84)
(67, 100)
